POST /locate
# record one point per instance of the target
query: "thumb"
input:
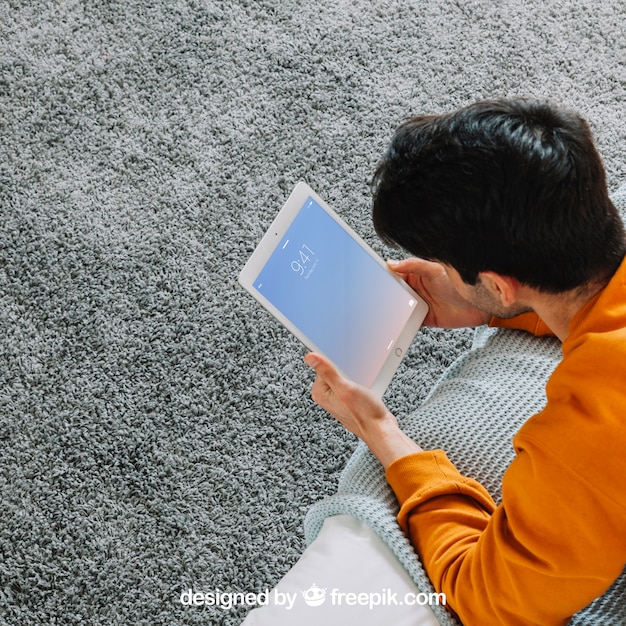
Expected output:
(415, 265)
(324, 368)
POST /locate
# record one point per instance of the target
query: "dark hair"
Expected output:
(512, 186)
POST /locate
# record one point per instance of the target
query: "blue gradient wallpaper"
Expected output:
(336, 293)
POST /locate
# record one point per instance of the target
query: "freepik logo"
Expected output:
(385, 598)
(313, 597)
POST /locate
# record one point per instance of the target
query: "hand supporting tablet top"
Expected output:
(446, 307)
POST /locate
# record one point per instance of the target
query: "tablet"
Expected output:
(331, 290)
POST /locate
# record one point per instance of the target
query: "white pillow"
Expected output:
(348, 575)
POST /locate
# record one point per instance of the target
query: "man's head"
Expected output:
(513, 187)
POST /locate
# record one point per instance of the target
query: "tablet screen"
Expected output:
(341, 298)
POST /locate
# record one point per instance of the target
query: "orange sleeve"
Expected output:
(530, 322)
(557, 545)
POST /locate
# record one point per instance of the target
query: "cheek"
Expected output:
(483, 300)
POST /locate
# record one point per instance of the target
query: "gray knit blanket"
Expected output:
(472, 413)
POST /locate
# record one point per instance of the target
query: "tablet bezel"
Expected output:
(269, 243)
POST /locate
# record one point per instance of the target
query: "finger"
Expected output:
(319, 389)
(324, 369)
(327, 381)
(393, 266)
(415, 265)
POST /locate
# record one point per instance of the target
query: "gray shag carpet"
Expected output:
(156, 430)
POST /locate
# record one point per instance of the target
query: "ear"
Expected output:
(504, 288)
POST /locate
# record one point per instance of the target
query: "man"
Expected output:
(506, 207)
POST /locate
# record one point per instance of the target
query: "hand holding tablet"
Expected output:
(333, 292)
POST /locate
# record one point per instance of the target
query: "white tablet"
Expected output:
(332, 291)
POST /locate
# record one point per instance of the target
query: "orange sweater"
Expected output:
(558, 540)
